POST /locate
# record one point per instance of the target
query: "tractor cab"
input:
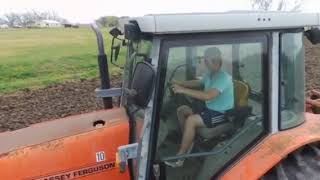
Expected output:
(262, 52)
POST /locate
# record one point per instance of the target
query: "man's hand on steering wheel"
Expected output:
(176, 82)
(177, 89)
(171, 84)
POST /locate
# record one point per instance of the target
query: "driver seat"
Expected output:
(241, 96)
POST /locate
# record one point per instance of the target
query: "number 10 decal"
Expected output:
(100, 156)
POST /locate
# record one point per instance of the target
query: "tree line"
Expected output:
(28, 18)
(279, 5)
(108, 21)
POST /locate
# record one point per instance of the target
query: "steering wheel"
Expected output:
(169, 83)
(172, 97)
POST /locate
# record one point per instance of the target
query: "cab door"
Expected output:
(139, 52)
(210, 155)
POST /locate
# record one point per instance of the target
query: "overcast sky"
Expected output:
(85, 11)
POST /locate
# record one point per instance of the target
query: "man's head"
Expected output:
(212, 58)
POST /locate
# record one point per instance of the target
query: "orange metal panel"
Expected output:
(70, 157)
(274, 148)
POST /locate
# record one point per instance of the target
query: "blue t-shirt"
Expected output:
(222, 82)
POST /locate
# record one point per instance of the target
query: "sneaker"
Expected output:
(178, 163)
(174, 164)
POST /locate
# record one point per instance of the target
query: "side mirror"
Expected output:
(142, 83)
(313, 35)
(115, 49)
(115, 32)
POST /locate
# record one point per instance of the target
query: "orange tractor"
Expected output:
(263, 53)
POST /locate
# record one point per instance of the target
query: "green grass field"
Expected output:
(33, 58)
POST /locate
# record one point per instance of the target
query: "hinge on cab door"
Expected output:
(125, 153)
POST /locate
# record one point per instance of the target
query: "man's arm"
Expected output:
(200, 95)
(188, 84)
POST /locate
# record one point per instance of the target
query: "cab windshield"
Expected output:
(243, 71)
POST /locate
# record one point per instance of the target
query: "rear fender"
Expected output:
(273, 149)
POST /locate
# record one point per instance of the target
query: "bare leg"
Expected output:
(183, 112)
(192, 123)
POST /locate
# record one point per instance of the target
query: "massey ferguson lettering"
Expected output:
(80, 172)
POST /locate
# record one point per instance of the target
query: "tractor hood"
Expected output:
(60, 128)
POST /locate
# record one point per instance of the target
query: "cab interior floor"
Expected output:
(188, 171)
(301, 164)
(190, 166)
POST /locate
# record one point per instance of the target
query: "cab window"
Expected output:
(138, 51)
(243, 67)
(291, 81)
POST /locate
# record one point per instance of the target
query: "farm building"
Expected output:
(4, 26)
(69, 25)
(47, 23)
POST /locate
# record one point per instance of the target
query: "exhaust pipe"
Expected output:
(103, 66)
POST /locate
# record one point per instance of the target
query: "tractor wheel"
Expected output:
(301, 164)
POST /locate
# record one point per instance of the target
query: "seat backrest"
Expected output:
(241, 93)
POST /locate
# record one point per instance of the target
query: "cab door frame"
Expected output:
(267, 57)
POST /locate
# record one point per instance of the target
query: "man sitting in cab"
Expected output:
(217, 95)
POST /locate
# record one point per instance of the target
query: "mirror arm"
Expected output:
(119, 39)
(111, 55)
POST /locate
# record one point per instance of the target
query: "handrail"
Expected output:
(171, 158)
(99, 36)
(103, 66)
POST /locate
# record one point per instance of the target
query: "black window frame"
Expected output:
(167, 41)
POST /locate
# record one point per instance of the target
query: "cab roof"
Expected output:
(221, 22)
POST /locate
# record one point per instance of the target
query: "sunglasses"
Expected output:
(210, 60)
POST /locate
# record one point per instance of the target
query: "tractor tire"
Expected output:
(303, 163)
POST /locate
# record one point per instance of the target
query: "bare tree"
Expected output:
(282, 5)
(108, 21)
(12, 19)
(29, 18)
(51, 15)
(297, 5)
(2, 21)
(261, 4)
